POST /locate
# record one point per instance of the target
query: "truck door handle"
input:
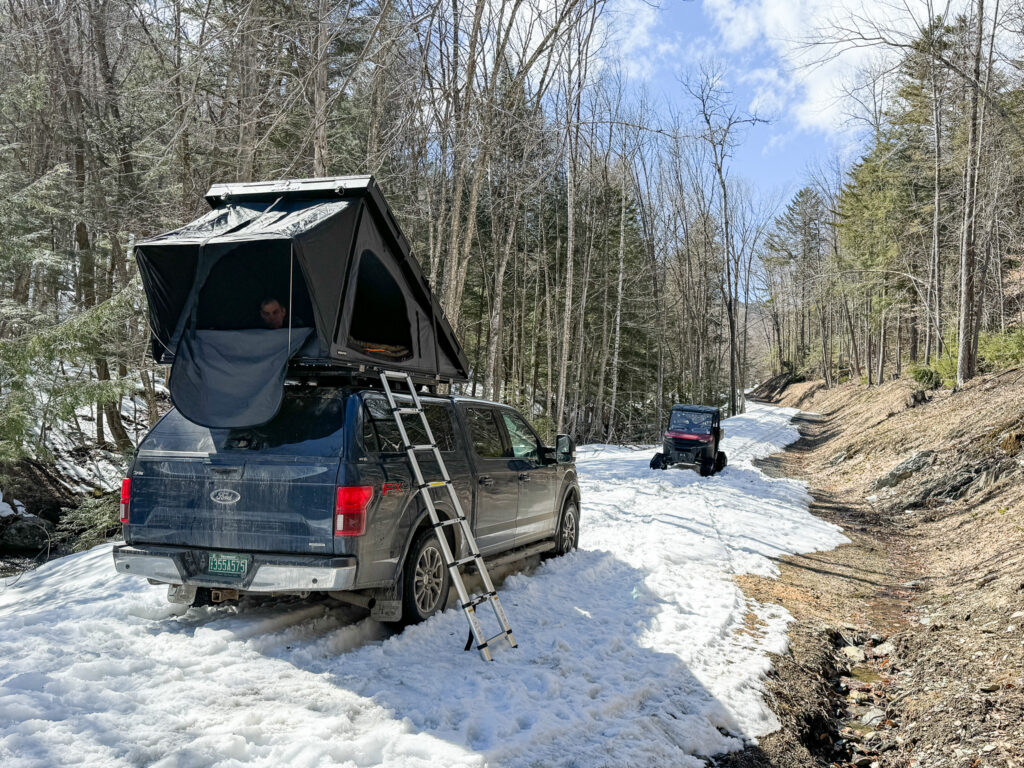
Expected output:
(486, 480)
(524, 477)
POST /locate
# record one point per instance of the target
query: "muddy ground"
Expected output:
(908, 644)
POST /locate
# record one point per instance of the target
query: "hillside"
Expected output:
(925, 607)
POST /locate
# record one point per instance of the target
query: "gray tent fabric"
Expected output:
(225, 379)
(330, 252)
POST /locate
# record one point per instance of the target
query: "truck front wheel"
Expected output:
(568, 535)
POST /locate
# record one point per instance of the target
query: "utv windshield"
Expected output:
(308, 424)
(694, 422)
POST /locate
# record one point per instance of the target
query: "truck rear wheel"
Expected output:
(427, 580)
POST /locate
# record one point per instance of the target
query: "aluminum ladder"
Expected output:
(424, 487)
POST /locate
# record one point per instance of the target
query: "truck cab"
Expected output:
(321, 499)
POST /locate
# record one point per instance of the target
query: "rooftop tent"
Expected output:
(329, 252)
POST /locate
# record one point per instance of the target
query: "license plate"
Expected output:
(229, 565)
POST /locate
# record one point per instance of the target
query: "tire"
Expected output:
(568, 533)
(720, 461)
(427, 580)
(705, 468)
(658, 461)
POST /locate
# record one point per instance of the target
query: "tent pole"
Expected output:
(291, 291)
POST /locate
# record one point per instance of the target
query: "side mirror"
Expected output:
(565, 449)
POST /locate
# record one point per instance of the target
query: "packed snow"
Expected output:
(638, 649)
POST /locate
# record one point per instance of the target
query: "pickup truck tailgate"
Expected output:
(254, 505)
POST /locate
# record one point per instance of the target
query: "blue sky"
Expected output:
(758, 43)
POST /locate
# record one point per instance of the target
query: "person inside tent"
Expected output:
(274, 313)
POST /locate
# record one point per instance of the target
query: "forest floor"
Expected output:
(908, 645)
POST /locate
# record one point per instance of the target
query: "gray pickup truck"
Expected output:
(321, 500)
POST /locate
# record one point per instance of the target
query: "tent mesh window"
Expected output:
(380, 318)
(246, 277)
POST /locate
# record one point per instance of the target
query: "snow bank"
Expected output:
(638, 649)
(13, 509)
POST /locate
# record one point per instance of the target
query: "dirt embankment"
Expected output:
(909, 644)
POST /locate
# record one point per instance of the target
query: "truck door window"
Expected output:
(486, 435)
(524, 442)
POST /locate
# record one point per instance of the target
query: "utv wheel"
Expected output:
(427, 580)
(706, 468)
(568, 535)
(658, 461)
(720, 461)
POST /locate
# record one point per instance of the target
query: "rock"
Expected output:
(905, 469)
(883, 649)
(916, 398)
(989, 687)
(859, 697)
(873, 716)
(839, 458)
(855, 654)
(26, 533)
(987, 579)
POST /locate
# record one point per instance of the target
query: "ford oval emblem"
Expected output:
(225, 496)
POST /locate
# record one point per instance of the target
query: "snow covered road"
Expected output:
(636, 650)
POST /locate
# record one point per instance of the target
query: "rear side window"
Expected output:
(310, 423)
(485, 433)
(380, 432)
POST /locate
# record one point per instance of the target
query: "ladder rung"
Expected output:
(395, 375)
(470, 559)
(426, 447)
(499, 636)
(446, 523)
(480, 599)
(407, 411)
(434, 484)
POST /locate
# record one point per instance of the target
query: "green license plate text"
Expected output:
(231, 565)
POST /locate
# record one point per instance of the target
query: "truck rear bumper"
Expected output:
(263, 573)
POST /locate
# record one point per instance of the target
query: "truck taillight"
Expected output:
(350, 509)
(126, 498)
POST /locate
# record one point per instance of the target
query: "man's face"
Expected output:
(273, 314)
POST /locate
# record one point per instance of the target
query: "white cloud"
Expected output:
(634, 23)
(784, 31)
(772, 90)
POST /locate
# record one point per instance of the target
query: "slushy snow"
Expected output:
(638, 649)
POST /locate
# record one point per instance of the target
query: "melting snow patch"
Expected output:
(637, 649)
(12, 508)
